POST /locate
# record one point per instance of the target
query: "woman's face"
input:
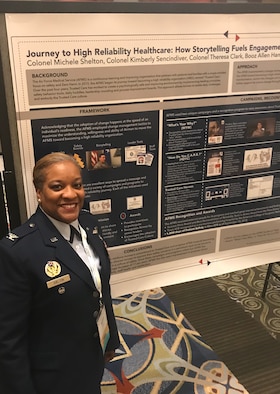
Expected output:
(62, 194)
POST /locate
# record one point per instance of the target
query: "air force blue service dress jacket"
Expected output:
(49, 341)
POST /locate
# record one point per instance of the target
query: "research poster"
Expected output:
(174, 121)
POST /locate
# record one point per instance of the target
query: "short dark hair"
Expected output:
(45, 162)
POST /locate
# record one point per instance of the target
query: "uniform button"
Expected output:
(95, 294)
(31, 225)
(95, 314)
(95, 335)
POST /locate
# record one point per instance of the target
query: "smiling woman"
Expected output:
(55, 291)
(59, 188)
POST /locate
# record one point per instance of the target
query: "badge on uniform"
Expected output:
(52, 269)
(58, 281)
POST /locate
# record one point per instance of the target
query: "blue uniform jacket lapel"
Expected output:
(95, 242)
(63, 250)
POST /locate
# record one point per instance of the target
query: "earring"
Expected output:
(39, 200)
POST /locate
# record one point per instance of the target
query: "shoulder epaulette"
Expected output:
(20, 232)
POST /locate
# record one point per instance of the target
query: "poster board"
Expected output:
(184, 111)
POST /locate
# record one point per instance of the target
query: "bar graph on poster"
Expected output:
(175, 122)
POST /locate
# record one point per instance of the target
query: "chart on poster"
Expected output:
(175, 123)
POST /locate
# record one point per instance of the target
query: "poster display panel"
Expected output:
(175, 122)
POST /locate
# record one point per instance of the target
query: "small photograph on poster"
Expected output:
(217, 192)
(149, 159)
(135, 202)
(216, 131)
(100, 207)
(255, 159)
(103, 159)
(141, 159)
(144, 159)
(132, 152)
(215, 163)
(260, 128)
(260, 187)
(79, 160)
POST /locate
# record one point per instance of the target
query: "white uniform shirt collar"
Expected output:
(62, 227)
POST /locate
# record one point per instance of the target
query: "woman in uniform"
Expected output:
(57, 326)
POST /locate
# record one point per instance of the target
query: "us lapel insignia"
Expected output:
(12, 236)
(52, 269)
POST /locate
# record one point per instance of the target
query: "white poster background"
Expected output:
(42, 43)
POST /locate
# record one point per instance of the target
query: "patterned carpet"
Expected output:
(245, 287)
(162, 353)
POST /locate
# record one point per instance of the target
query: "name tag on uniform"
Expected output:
(58, 281)
(103, 328)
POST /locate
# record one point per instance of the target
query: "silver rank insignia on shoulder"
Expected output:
(12, 236)
(52, 269)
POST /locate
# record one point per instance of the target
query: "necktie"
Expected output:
(73, 232)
